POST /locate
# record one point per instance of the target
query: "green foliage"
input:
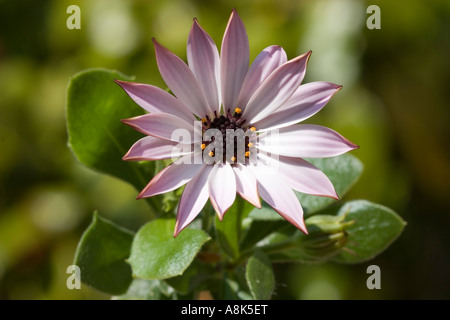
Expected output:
(156, 254)
(259, 275)
(141, 289)
(95, 106)
(191, 278)
(375, 227)
(229, 230)
(101, 255)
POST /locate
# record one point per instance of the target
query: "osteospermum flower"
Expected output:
(227, 95)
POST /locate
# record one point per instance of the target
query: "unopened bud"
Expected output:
(326, 237)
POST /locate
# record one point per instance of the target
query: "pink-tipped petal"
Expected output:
(277, 193)
(246, 185)
(222, 188)
(181, 80)
(305, 141)
(276, 89)
(155, 100)
(193, 199)
(151, 148)
(234, 60)
(203, 59)
(302, 176)
(267, 61)
(306, 101)
(165, 126)
(170, 178)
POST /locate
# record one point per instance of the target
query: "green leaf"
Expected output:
(258, 230)
(343, 171)
(101, 255)
(259, 275)
(232, 289)
(191, 278)
(141, 289)
(375, 227)
(156, 254)
(95, 106)
(228, 231)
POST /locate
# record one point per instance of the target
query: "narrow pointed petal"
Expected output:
(156, 100)
(222, 188)
(267, 61)
(170, 178)
(302, 176)
(246, 185)
(306, 101)
(193, 199)
(277, 193)
(305, 141)
(163, 126)
(181, 80)
(203, 59)
(234, 60)
(151, 148)
(276, 89)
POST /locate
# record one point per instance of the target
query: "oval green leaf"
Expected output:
(156, 254)
(95, 106)
(259, 275)
(101, 255)
(375, 227)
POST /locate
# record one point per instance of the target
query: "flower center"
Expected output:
(227, 138)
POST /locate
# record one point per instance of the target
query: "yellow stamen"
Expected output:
(203, 146)
(233, 159)
(250, 145)
(203, 120)
(247, 154)
(211, 153)
(252, 129)
(237, 110)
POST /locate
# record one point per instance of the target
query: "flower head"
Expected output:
(242, 124)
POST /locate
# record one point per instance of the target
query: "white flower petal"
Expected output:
(222, 188)
(306, 101)
(163, 126)
(302, 176)
(267, 61)
(276, 192)
(276, 89)
(305, 141)
(203, 59)
(181, 80)
(170, 178)
(156, 100)
(193, 199)
(246, 185)
(234, 60)
(151, 148)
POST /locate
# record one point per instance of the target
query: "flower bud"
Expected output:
(326, 237)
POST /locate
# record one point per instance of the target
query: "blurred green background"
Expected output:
(394, 104)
